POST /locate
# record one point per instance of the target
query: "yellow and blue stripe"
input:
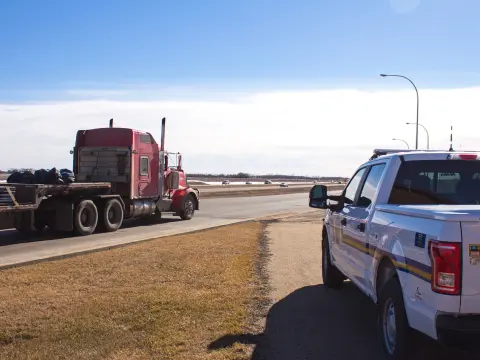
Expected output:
(404, 264)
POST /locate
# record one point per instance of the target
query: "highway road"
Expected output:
(16, 249)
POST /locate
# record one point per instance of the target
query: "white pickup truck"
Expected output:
(406, 232)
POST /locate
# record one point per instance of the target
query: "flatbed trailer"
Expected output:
(33, 206)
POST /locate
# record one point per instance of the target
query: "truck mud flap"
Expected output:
(64, 216)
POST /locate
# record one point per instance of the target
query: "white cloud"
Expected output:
(325, 132)
(404, 6)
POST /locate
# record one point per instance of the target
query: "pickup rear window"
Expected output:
(437, 182)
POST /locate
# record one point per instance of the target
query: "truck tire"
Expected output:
(156, 216)
(39, 224)
(332, 277)
(112, 215)
(188, 209)
(85, 217)
(395, 334)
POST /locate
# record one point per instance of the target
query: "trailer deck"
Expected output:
(23, 197)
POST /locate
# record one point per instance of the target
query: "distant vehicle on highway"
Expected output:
(283, 185)
(268, 182)
(248, 183)
(225, 182)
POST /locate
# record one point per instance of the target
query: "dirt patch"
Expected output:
(164, 299)
(306, 320)
(295, 240)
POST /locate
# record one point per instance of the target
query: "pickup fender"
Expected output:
(388, 253)
(327, 226)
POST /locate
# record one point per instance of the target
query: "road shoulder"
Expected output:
(306, 320)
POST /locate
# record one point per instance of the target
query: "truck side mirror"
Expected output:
(318, 197)
(166, 163)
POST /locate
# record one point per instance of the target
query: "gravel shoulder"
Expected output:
(309, 321)
(304, 319)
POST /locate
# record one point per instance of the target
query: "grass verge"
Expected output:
(163, 299)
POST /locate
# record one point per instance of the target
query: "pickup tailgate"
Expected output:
(470, 300)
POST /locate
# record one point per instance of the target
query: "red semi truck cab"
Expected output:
(137, 168)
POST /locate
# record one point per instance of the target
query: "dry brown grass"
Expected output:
(163, 299)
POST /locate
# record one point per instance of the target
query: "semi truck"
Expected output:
(120, 173)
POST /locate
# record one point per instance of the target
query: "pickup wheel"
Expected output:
(188, 208)
(332, 277)
(85, 217)
(396, 336)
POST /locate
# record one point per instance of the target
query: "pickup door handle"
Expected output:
(343, 222)
(361, 227)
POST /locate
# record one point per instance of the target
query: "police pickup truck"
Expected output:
(406, 232)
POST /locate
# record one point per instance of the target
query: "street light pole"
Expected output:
(408, 147)
(424, 128)
(418, 101)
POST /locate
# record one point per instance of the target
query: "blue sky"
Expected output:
(246, 85)
(54, 45)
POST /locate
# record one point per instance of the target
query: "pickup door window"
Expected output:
(355, 232)
(339, 220)
(437, 182)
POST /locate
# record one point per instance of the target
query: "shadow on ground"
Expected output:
(314, 322)
(12, 236)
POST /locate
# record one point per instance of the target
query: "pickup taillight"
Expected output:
(446, 261)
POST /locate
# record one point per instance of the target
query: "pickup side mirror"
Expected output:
(318, 197)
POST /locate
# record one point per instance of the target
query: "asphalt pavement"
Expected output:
(16, 248)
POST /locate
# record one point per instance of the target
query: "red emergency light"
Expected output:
(463, 156)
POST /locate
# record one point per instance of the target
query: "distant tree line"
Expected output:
(244, 175)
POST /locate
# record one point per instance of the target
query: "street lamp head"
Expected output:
(383, 75)
(410, 123)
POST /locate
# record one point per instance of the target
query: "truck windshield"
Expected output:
(437, 182)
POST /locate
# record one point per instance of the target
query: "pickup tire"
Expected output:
(85, 217)
(332, 277)
(395, 334)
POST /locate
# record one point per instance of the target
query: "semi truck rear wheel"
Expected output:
(112, 215)
(86, 217)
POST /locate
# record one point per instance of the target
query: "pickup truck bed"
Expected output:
(23, 197)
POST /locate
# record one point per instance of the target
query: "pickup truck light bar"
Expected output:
(463, 157)
(466, 154)
(381, 152)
